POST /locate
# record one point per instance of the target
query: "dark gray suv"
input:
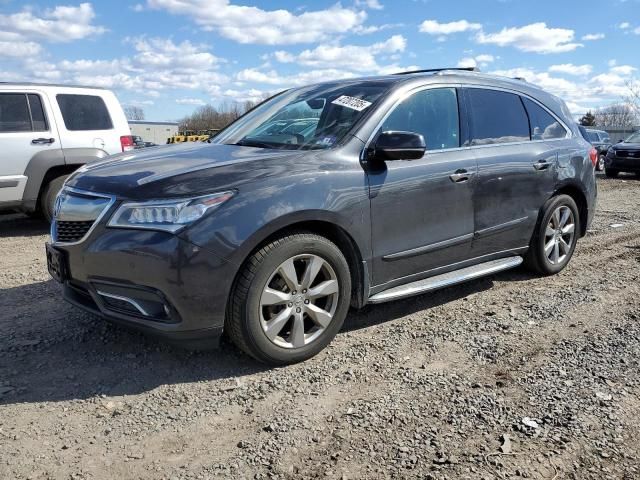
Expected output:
(405, 184)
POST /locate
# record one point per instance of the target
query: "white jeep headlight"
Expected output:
(166, 215)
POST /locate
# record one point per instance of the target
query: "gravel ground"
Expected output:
(506, 377)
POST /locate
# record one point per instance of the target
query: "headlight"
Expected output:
(166, 215)
(611, 151)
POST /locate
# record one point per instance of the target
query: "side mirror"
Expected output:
(399, 146)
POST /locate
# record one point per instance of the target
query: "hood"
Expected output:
(179, 170)
(627, 146)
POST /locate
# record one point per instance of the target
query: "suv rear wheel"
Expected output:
(600, 164)
(48, 198)
(555, 237)
(290, 299)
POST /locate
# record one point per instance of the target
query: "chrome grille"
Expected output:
(76, 213)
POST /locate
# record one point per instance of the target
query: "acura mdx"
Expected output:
(401, 184)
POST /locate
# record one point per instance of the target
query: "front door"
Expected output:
(422, 210)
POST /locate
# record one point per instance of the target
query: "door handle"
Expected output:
(460, 175)
(541, 165)
(42, 141)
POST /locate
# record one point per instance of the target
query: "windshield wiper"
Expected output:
(253, 143)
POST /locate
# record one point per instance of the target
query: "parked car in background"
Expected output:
(624, 157)
(601, 141)
(137, 141)
(49, 131)
(408, 183)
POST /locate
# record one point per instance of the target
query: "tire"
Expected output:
(611, 173)
(284, 327)
(48, 198)
(549, 231)
(600, 164)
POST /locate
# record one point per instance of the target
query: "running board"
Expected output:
(446, 279)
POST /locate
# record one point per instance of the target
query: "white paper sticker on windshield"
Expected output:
(351, 102)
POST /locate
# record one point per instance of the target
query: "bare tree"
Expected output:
(618, 115)
(133, 112)
(209, 117)
(633, 98)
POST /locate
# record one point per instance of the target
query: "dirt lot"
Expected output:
(509, 376)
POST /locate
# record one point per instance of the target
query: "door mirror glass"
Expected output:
(393, 145)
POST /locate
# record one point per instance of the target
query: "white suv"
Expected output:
(47, 132)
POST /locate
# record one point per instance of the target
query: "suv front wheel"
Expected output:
(48, 198)
(290, 299)
(555, 237)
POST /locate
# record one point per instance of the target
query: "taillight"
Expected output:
(593, 155)
(126, 142)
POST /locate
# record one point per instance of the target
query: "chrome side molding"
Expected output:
(446, 279)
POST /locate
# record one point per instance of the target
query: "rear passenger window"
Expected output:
(14, 113)
(432, 113)
(84, 112)
(497, 117)
(543, 125)
(37, 113)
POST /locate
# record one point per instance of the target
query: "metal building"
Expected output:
(156, 132)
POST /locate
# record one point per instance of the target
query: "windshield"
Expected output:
(633, 138)
(313, 117)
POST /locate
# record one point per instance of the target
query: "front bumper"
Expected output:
(624, 164)
(152, 281)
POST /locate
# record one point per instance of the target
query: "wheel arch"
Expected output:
(330, 230)
(578, 196)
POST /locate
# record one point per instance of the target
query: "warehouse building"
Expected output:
(156, 132)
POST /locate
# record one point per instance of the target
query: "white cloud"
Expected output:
(163, 53)
(624, 25)
(60, 24)
(351, 57)
(190, 101)
(479, 60)
(306, 77)
(623, 69)
(138, 7)
(593, 36)
(246, 24)
(11, 48)
(636, 30)
(433, 27)
(372, 4)
(571, 69)
(536, 37)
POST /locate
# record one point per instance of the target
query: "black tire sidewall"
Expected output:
(261, 346)
(49, 197)
(552, 204)
(611, 173)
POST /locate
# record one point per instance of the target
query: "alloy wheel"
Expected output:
(559, 235)
(299, 301)
(601, 163)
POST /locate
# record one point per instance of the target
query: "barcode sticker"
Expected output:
(351, 102)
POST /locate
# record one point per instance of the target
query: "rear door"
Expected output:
(516, 169)
(422, 210)
(26, 130)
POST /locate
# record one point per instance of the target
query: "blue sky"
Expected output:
(169, 56)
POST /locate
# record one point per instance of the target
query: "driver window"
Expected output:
(432, 113)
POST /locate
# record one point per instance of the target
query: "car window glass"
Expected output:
(432, 113)
(37, 113)
(497, 117)
(84, 112)
(14, 113)
(543, 125)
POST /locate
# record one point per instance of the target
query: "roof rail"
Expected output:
(433, 70)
